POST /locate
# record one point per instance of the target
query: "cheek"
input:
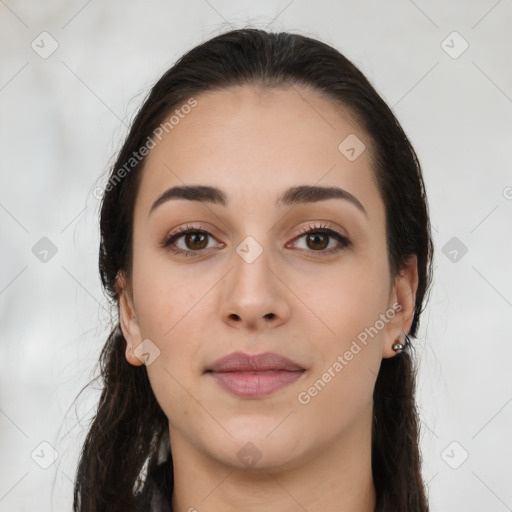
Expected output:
(162, 306)
(166, 304)
(347, 298)
(162, 297)
(341, 387)
(350, 303)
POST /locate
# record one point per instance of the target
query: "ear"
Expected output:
(402, 301)
(128, 319)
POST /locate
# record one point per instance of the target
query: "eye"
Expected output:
(318, 238)
(194, 238)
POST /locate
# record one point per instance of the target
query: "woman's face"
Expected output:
(251, 281)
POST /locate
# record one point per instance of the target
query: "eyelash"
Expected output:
(323, 229)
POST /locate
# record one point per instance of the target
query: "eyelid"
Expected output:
(322, 227)
(183, 230)
(344, 242)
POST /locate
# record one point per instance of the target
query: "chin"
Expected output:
(258, 452)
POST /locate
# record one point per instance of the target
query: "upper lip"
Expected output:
(240, 362)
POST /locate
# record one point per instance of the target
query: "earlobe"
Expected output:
(128, 320)
(404, 295)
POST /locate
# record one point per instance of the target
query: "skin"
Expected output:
(253, 145)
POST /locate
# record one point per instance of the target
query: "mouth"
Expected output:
(240, 362)
(255, 384)
(254, 376)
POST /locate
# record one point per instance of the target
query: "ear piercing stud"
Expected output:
(398, 347)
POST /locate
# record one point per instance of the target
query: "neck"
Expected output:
(339, 478)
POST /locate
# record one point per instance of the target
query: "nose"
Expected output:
(255, 295)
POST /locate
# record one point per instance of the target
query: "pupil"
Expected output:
(192, 239)
(315, 238)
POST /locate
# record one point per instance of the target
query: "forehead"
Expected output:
(260, 140)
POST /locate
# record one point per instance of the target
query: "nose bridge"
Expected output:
(252, 262)
(253, 293)
(256, 243)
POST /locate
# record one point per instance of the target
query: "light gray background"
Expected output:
(63, 117)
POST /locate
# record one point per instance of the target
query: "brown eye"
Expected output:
(196, 240)
(317, 241)
(188, 241)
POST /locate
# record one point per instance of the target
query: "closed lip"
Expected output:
(241, 362)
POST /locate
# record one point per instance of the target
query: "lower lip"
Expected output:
(255, 384)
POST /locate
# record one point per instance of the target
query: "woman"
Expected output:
(266, 240)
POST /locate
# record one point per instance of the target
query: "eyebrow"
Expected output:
(301, 194)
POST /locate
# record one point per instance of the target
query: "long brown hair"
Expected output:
(130, 430)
